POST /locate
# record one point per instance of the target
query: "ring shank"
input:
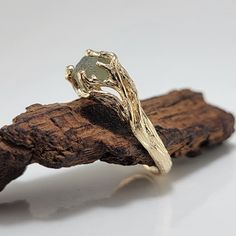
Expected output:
(146, 133)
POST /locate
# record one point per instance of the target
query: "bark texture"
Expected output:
(83, 131)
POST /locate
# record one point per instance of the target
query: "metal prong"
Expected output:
(81, 80)
(69, 71)
(109, 55)
(107, 66)
(92, 53)
(81, 76)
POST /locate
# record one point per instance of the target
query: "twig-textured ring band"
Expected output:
(99, 70)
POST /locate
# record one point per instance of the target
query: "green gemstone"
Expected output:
(88, 64)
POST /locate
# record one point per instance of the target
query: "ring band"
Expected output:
(99, 70)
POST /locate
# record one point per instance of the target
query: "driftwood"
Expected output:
(84, 131)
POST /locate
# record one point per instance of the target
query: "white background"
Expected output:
(164, 45)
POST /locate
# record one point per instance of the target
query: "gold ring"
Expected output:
(99, 70)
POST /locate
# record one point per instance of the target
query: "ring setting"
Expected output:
(98, 71)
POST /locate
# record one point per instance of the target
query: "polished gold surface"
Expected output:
(100, 70)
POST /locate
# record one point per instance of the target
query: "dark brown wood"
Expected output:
(84, 131)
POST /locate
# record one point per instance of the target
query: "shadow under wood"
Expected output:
(83, 189)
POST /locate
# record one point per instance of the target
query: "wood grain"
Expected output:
(84, 131)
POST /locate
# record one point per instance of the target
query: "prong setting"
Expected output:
(102, 69)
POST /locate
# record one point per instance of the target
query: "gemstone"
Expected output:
(88, 64)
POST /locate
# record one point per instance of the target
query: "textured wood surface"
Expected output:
(84, 131)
